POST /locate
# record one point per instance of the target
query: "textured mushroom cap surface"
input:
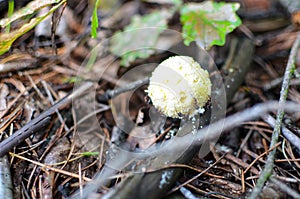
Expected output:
(179, 86)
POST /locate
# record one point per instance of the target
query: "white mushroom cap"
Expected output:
(179, 86)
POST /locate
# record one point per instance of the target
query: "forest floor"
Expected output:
(76, 119)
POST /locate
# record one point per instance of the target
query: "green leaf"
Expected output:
(139, 37)
(30, 8)
(95, 22)
(91, 153)
(208, 23)
(6, 39)
(11, 6)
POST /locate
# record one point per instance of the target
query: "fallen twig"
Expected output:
(109, 94)
(290, 136)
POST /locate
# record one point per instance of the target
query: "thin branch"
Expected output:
(290, 136)
(267, 172)
(109, 94)
(45, 85)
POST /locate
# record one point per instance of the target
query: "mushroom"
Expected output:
(179, 86)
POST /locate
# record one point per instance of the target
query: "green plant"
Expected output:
(207, 23)
(95, 22)
(11, 6)
(7, 39)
